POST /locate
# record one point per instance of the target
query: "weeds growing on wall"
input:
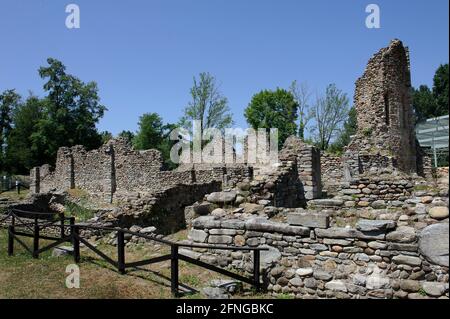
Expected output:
(79, 212)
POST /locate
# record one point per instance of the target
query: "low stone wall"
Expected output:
(310, 257)
(163, 210)
(364, 191)
(357, 168)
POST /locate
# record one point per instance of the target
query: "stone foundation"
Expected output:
(374, 258)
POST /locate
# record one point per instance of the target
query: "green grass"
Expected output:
(24, 277)
(12, 195)
(191, 280)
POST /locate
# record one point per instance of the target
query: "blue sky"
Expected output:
(144, 53)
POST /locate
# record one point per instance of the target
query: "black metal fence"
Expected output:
(35, 223)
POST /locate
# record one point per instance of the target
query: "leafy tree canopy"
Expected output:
(207, 105)
(153, 134)
(273, 109)
(429, 103)
(71, 110)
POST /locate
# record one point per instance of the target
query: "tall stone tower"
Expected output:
(385, 135)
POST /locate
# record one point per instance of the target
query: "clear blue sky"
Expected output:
(143, 54)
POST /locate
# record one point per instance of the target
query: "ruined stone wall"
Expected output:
(376, 258)
(384, 111)
(363, 192)
(229, 174)
(281, 188)
(42, 179)
(116, 168)
(135, 170)
(91, 170)
(307, 159)
(163, 209)
(332, 168)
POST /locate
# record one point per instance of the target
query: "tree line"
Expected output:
(32, 129)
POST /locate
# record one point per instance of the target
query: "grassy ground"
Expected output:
(24, 277)
(12, 195)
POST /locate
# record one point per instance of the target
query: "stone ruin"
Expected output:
(385, 141)
(379, 230)
(137, 183)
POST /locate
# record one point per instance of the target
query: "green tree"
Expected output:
(207, 105)
(329, 113)
(344, 138)
(302, 96)
(153, 134)
(429, 103)
(21, 155)
(150, 133)
(71, 111)
(273, 109)
(9, 101)
(440, 90)
(424, 103)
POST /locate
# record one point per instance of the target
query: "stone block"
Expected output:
(197, 235)
(220, 239)
(309, 219)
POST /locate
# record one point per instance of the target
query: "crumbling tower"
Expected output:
(385, 135)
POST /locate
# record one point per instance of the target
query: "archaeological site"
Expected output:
(370, 223)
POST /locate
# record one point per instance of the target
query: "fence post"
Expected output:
(36, 238)
(62, 225)
(75, 232)
(11, 229)
(256, 261)
(10, 240)
(121, 251)
(174, 270)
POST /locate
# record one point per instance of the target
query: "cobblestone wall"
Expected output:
(374, 258)
(332, 168)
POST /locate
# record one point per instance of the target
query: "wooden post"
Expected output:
(36, 239)
(62, 225)
(11, 229)
(174, 270)
(71, 224)
(121, 251)
(75, 231)
(256, 261)
(10, 240)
